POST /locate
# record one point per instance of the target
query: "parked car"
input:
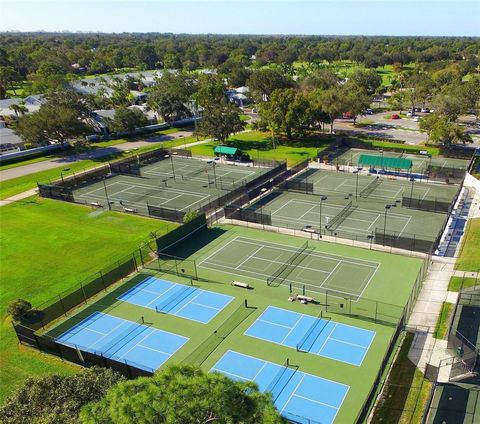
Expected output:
(426, 110)
(410, 114)
(369, 112)
(395, 116)
(347, 115)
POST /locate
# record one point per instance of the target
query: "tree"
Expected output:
(19, 308)
(264, 81)
(220, 121)
(273, 112)
(441, 130)
(449, 104)
(321, 79)
(368, 79)
(60, 117)
(183, 394)
(127, 119)
(170, 96)
(57, 399)
(355, 100)
(18, 109)
(210, 90)
(332, 102)
(191, 215)
(8, 76)
(398, 101)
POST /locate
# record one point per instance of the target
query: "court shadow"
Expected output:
(190, 245)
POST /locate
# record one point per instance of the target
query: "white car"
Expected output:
(416, 118)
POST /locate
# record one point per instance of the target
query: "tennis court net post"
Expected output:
(281, 379)
(341, 216)
(286, 269)
(370, 188)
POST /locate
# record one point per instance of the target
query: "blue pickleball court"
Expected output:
(300, 397)
(320, 336)
(133, 343)
(177, 299)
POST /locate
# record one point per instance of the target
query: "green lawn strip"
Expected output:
(364, 123)
(468, 260)
(244, 117)
(48, 247)
(406, 391)
(259, 146)
(434, 151)
(457, 284)
(441, 327)
(117, 141)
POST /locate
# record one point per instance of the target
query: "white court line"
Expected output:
(313, 207)
(152, 330)
(249, 257)
(229, 373)
(326, 340)
(260, 370)
(293, 392)
(161, 295)
(281, 207)
(155, 350)
(349, 343)
(273, 323)
(293, 249)
(205, 306)
(405, 226)
(110, 332)
(317, 401)
(188, 303)
(292, 328)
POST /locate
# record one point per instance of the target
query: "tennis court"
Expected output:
(134, 192)
(200, 172)
(420, 162)
(375, 187)
(177, 299)
(319, 336)
(250, 259)
(134, 343)
(300, 397)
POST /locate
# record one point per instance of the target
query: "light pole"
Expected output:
(356, 172)
(322, 198)
(412, 180)
(387, 207)
(215, 174)
(106, 194)
(173, 167)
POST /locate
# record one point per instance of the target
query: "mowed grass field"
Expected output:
(470, 253)
(258, 145)
(48, 246)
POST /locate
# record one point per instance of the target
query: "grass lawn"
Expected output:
(259, 146)
(434, 151)
(468, 260)
(48, 246)
(441, 327)
(406, 391)
(460, 283)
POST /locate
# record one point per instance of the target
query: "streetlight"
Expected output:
(322, 198)
(173, 168)
(412, 180)
(215, 174)
(106, 195)
(387, 207)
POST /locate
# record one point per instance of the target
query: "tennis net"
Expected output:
(280, 381)
(174, 299)
(285, 270)
(308, 340)
(369, 189)
(198, 171)
(340, 217)
(124, 337)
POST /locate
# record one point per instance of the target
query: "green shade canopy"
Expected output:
(225, 150)
(385, 162)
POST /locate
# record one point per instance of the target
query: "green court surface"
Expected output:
(177, 183)
(420, 162)
(302, 212)
(384, 188)
(455, 403)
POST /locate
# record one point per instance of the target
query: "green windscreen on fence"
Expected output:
(385, 162)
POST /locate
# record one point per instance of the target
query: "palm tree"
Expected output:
(18, 108)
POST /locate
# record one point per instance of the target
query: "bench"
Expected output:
(309, 230)
(305, 298)
(240, 284)
(95, 204)
(130, 210)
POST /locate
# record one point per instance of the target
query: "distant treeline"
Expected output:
(30, 53)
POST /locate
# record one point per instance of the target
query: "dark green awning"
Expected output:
(225, 150)
(384, 162)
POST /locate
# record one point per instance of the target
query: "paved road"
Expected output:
(91, 154)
